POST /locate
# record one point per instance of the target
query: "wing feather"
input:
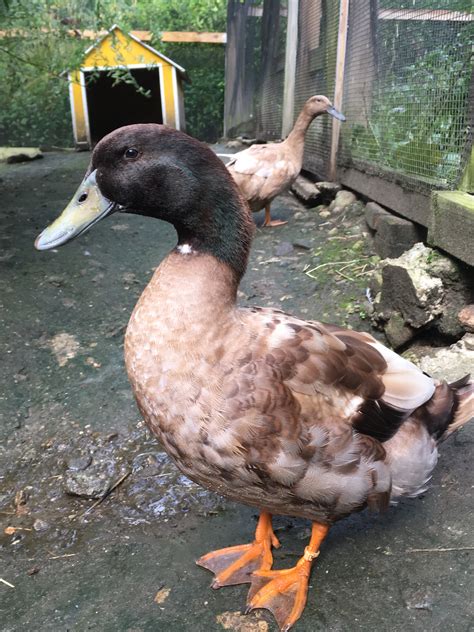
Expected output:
(347, 368)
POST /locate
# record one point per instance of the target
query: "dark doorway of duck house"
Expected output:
(111, 105)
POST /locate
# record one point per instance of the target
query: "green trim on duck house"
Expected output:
(451, 225)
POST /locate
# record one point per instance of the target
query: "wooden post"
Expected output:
(290, 68)
(339, 83)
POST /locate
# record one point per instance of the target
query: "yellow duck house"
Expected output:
(98, 106)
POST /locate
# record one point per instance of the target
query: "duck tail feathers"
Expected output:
(450, 407)
(464, 405)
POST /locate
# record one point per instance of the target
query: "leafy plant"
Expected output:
(416, 122)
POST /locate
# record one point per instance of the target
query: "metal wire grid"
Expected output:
(315, 74)
(270, 100)
(406, 91)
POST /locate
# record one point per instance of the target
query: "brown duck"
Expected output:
(293, 417)
(264, 171)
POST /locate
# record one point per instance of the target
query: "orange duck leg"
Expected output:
(235, 564)
(284, 592)
(268, 222)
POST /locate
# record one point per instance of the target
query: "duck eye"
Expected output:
(131, 152)
(82, 198)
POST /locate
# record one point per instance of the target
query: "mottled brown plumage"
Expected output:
(290, 416)
(267, 409)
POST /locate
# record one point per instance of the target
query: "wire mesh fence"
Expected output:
(407, 80)
(407, 84)
(272, 75)
(315, 74)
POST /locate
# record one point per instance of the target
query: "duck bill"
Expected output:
(87, 207)
(333, 112)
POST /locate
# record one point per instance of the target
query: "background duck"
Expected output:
(264, 171)
(290, 416)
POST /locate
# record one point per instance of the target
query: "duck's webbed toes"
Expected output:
(235, 564)
(282, 592)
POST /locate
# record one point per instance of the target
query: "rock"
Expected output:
(88, 484)
(319, 208)
(393, 235)
(328, 190)
(78, 463)
(420, 600)
(325, 185)
(19, 154)
(419, 289)
(451, 363)
(372, 214)
(40, 525)
(468, 342)
(466, 317)
(397, 331)
(343, 198)
(305, 190)
(324, 214)
(284, 248)
(234, 144)
(304, 244)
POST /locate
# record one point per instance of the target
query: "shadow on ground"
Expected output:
(70, 427)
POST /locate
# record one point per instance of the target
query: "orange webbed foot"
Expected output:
(284, 592)
(235, 564)
(273, 222)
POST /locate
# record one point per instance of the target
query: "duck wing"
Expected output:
(349, 375)
(262, 172)
(307, 410)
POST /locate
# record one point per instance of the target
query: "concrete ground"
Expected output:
(70, 427)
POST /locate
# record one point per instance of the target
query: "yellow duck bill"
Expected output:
(87, 207)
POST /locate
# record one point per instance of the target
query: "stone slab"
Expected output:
(393, 235)
(305, 190)
(19, 154)
(451, 227)
(414, 205)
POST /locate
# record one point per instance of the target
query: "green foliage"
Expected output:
(34, 104)
(417, 119)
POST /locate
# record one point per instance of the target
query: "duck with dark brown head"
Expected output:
(290, 416)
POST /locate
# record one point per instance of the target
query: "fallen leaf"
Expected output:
(91, 362)
(242, 623)
(21, 498)
(33, 570)
(162, 595)
(65, 347)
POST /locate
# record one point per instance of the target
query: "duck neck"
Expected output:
(295, 138)
(193, 286)
(225, 232)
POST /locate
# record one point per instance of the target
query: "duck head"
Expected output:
(157, 171)
(319, 104)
